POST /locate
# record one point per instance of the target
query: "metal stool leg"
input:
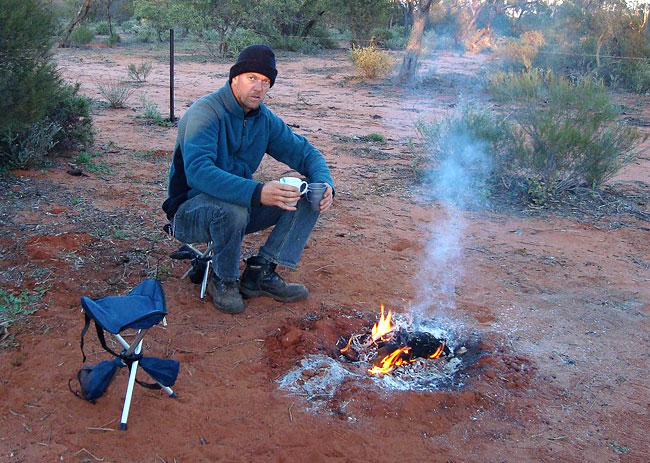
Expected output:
(206, 275)
(134, 347)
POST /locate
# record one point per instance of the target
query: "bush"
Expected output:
(101, 28)
(82, 35)
(391, 39)
(113, 39)
(116, 93)
(38, 111)
(28, 149)
(557, 135)
(144, 33)
(139, 72)
(477, 129)
(71, 112)
(640, 78)
(371, 62)
(151, 112)
(298, 44)
(519, 53)
(566, 134)
(241, 39)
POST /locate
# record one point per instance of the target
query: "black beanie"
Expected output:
(255, 58)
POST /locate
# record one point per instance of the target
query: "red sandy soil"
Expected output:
(560, 302)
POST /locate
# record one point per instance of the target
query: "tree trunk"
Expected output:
(410, 62)
(310, 24)
(108, 17)
(599, 46)
(80, 16)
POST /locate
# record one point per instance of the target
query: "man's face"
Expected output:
(250, 89)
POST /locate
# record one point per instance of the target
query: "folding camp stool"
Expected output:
(143, 308)
(199, 271)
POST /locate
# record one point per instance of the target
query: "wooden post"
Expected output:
(172, 118)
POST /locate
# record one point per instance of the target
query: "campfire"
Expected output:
(391, 345)
(398, 353)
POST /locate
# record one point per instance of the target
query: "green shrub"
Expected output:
(375, 137)
(467, 128)
(15, 307)
(240, 39)
(28, 149)
(371, 62)
(298, 44)
(519, 53)
(116, 93)
(139, 72)
(391, 39)
(82, 35)
(38, 111)
(130, 26)
(151, 112)
(71, 112)
(566, 133)
(101, 28)
(144, 33)
(113, 39)
(87, 160)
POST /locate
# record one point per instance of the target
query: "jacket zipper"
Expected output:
(242, 138)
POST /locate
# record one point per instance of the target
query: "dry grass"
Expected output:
(371, 62)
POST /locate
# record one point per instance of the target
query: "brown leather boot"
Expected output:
(260, 279)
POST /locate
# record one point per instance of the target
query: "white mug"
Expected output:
(300, 185)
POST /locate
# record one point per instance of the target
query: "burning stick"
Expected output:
(387, 348)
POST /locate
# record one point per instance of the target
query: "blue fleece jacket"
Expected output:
(218, 149)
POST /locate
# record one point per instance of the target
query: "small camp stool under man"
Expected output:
(199, 271)
(143, 308)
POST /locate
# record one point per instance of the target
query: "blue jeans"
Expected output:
(204, 218)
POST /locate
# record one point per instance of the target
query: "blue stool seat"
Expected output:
(142, 308)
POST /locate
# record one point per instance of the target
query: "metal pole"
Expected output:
(171, 75)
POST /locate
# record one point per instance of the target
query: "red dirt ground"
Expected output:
(560, 303)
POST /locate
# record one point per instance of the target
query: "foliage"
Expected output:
(101, 28)
(362, 16)
(518, 53)
(113, 39)
(471, 128)
(240, 39)
(82, 35)
(139, 72)
(87, 160)
(151, 112)
(27, 149)
(71, 112)
(28, 78)
(557, 135)
(566, 133)
(116, 93)
(371, 62)
(38, 111)
(607, 40)
(394, 38)
(15, 307)
(155, 15)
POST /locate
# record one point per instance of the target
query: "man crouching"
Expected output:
(221, 141)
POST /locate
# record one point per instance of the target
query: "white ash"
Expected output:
(318, 377)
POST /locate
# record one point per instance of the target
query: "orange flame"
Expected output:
(390, 361)
(383, 326)
(438, 351)
(345, 349)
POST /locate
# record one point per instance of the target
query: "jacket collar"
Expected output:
(231, 105)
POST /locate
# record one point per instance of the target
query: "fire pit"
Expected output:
(398, 353)
(391, 345)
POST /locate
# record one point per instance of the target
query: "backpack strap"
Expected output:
(100, 335)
